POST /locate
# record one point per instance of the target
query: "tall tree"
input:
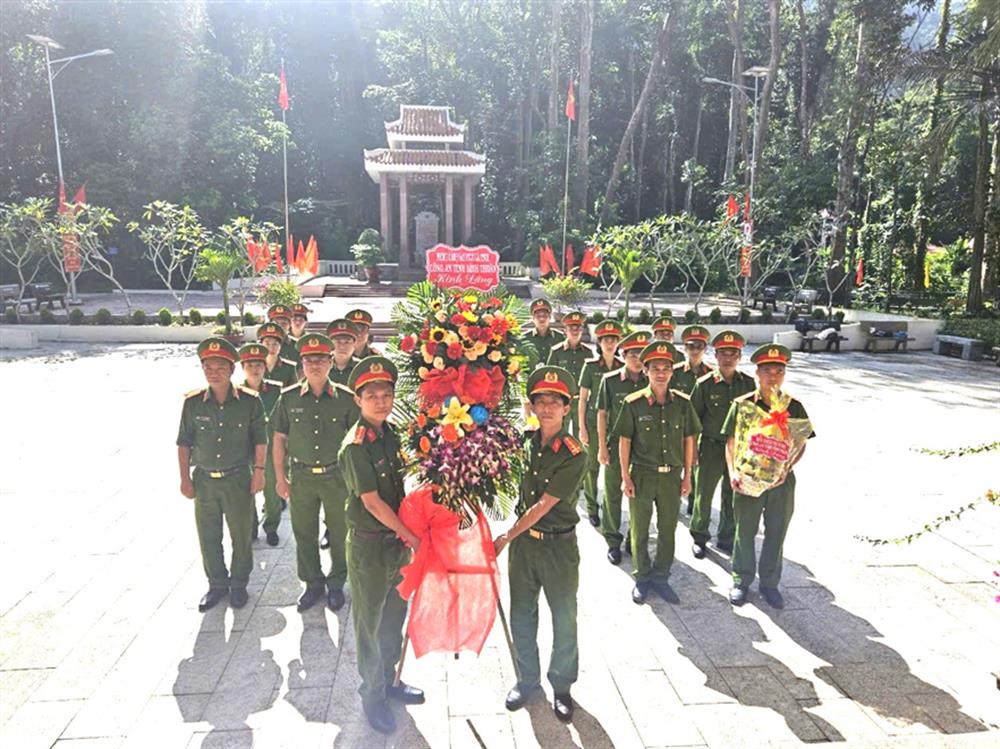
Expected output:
(583, 109)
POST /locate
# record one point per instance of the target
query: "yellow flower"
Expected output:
(436, 305)
(437, 335)
(450, 337)
(480, 348)
(495, 355)
(513, 367)
(470, 315)
(428, 354)
(423, 372)
(470, 299)
(532, 422)
(440, 316)
(457, 414)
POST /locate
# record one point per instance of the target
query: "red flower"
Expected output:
(449, 432)
(425, 445)
(408, 343)
(455, 350)
(439, 384)
(473, 332)
(425, 333)
(480, 385)
(458, 319)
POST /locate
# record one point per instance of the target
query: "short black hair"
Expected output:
(531, 398)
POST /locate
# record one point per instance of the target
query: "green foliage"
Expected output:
(690, 317)
(277, 290)
(10, 317)
(645, 316)
(767, 315)
(984, 329)
(715, 315)
(76, 316)
(221, 318)
(139, 317)
(47, 316)
(102, 316)
(565, 291)
(596, 317)
(818, 313)
(249, 318)
(195, 317)
(744, 316)
(367, 250)
(165, 317)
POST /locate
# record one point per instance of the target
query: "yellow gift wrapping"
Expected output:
(766, 444)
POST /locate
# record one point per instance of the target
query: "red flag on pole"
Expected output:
(278, 265)
(591, 263)
(860, 278)
(312, 256)
(253, 252)
(547, 261)
(571, 103)
(290, 252)
(570, 259)
(732, 208)
(300, 258)
(283, 90)
(453, 579)
(62, 198)
(746, 208)
(81, 195)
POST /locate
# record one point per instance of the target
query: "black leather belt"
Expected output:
(221, 473)
(317, 470)
(373, 535)
(548, 535)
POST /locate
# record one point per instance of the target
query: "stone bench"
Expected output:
(969, 349)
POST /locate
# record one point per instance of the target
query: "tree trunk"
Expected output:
(848, 152)
(553, 110)
(638, 168)
(583, 110)
(734, 21)
(764, 106)
(991, 285)
(689, 197)
(804, 80)
(659, 47)
(974, 299)
(735, 101)
(925, 190)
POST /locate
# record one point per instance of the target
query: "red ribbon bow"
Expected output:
(779, 419)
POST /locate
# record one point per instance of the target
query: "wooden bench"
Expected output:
(43, 294)
(769, 295)
(916, 299)
(884, 332)
(9, 294)
(969, 349)
(809, 328)
(803, 301)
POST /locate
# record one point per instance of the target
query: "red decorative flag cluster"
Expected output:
(72, 262)
(591, 263)
(306, 259)
(570, 259)
(547, 262)
(732, 208)
(571, 103)
(453, 578)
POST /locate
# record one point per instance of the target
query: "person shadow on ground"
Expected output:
(316, 670)
(237, 675)
(554, 734)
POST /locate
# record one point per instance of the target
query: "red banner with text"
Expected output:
(463, 267)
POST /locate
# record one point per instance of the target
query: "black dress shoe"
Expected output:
(211, 598)
(738, 595)
(773, 597)
(238, 597)
(308, 599)
(615, 556)
(380, 718)
(272, 538)
(595, 519)
(639, 592)
(519, 696)
(664, 591)
(324, 543)
(405, 693)
(726, 546)
(335, 599)
(698, 550)
(562, 704)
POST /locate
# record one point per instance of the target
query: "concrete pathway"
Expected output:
(101, 644)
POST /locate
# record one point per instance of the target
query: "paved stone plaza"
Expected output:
(101, 644)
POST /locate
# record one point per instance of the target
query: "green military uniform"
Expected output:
(572, 360)
(590, 377)
(543, 343)
(372, 462)
(657, 432)
(315, 427)
(363, 318)
(342, 327)
(546, 558)
(776, 505)
(281, 375)
(222, 438)
(711, 400)
(685, 374)
(289, 352)
(615, 386)
(663, 328)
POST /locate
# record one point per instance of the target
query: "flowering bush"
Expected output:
(460, 357)
(273, 290)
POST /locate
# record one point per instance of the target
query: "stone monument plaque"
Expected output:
(427, 234)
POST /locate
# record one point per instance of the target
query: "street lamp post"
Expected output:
(48, 44)
(757, 72)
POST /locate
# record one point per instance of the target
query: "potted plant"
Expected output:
(368, 254)
(220, 268)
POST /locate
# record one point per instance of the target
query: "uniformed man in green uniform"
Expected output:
(608, 333)
(253, 359)
(663, 328)
(277, 369)
(282, 315)
(544, 336)
(300, 318)
(713, 394)
(615, 385)
(687, 372)
(377, 541)
(224, 436)
(310, 422)
(543, 551)
(571, 354)
(776, 504)
(362, 321)
(656, 432)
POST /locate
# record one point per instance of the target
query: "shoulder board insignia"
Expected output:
(681, 393)
(556, 444)
(637, 395)
(745, 396)
(273, 382)
(338, 386)
(558, 346)
(588, 348)
(572, 445)
(613, 373)
(247, 389)
(681, 365)
(193, 393)
(595, 360)
(289, 362)
(289, 388)
(706, 377)
(359, 434)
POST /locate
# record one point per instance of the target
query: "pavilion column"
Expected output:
(404, 223)
(449, 210)
(467, 211)
(384, 211)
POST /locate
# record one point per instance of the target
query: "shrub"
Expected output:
(367, 250)
(102, 316)
(715, 316)
(277, 290)
(165, 317)
(249, 318)
(839, 315)
(596, 317)
(691, 316)
(76, 316)
(983, 329)
(744, 317)
(10, 316)
(221, 317)
(767, 316)
(818, 314)
(139, 317)
(620, 315)
(48, 318)
(565, 291)
(194, 317)
(645, 317)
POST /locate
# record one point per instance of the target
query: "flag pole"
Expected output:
(284, 158)
(569, 128)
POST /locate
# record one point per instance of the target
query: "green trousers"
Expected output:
(551, 566)
(217, 501)
(611, 517)
(712, 470)
(776, 505)
(373, 565)
(663, 492)
(593, 470)
(309, 494)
